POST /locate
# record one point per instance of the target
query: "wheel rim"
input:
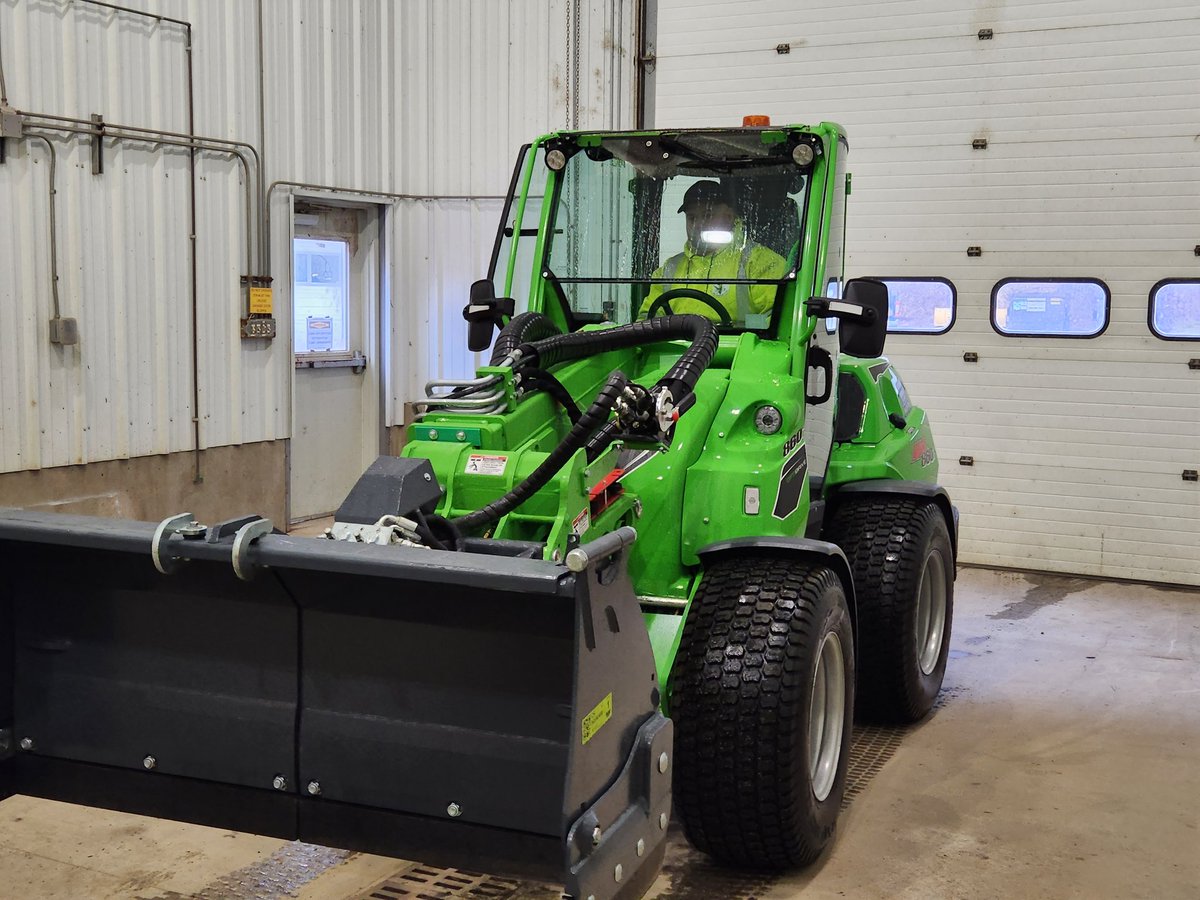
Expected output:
(931, 613)
(827, 716)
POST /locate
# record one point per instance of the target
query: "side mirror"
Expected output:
(485, 313)
(863, 331)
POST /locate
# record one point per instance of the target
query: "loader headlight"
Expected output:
(556, 160)
(802, 155)
(768, 420)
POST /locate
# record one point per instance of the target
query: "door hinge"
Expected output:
(971, 356)
(1194, 364)
(966, 460)
(1191, 475)
(985, 34)
(974, 251)
(979, 144)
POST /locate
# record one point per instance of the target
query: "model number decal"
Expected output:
(792, 443)
(791, 482)
(923, 453)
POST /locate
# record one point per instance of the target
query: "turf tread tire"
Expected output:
(741, 689)
(886, 541)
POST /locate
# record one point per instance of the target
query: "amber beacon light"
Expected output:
(755, 121)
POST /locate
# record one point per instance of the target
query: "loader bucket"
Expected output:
(462, 709)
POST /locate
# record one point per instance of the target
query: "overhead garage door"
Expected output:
(1033, 141)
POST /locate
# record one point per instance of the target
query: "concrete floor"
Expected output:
(1064, 761)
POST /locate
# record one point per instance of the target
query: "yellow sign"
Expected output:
(260, 300)
(595, 720)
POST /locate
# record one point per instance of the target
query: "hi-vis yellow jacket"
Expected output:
(742, 258)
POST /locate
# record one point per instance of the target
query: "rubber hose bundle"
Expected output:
(593, 418)
(680, 379)
(522, 329)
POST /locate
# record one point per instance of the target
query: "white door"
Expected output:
(989, 142)
(336, 392)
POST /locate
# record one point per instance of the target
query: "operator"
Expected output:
(717, 247)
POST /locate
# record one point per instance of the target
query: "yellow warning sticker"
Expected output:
(260, 300)
(595, 720)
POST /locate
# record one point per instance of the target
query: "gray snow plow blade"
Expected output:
(461, 709)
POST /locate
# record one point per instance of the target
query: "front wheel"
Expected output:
(762, 696)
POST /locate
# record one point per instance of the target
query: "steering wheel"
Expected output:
(662, 303)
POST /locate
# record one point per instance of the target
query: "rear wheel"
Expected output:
(762, 700)
(903, 567)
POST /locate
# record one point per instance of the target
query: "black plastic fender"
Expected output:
(821, 551)
(920, 490)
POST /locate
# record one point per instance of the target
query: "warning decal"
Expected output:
(484, 464)
(595, 720)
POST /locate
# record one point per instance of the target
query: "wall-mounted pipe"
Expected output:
(162, 136)
(53, 191)
(148, 136)
(194, 300)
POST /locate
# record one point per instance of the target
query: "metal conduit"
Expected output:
(174, 138)
(53, 191)
(115, 132)
(194, 263)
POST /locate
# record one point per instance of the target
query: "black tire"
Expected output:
(892, 545)
(741, 698)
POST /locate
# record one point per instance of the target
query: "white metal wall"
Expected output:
(428, 97)
(1089, 108)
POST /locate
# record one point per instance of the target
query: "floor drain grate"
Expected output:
(871, 748)
(421, 882)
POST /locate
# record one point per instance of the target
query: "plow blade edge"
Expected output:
(462, 709)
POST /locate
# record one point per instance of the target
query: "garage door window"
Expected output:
(1050, 307)
(1175, 309)
(920, 305)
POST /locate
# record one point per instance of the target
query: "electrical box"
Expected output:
(11, 125)
(64, 331)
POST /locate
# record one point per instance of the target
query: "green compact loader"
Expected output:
(652, 561)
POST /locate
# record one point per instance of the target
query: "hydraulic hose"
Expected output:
(680, 379)
(593, 418)
(522, 329)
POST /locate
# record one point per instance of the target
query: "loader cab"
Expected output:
(616, 227)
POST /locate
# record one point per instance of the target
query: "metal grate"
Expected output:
(421, 882)
(871, 748)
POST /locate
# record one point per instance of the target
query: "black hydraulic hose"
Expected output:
(680, 379)
(521, 329)
(593, 418)
(541, 380)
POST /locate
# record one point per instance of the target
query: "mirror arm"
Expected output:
(831, 307)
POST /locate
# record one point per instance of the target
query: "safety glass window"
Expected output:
(712, 222)
(320, 296)
(1175, 309)
(920, 305)
(1049, 307)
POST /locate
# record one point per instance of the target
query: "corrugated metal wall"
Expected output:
(1090, 170)
(428, 97)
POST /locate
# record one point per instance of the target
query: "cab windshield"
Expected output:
(705, 222)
